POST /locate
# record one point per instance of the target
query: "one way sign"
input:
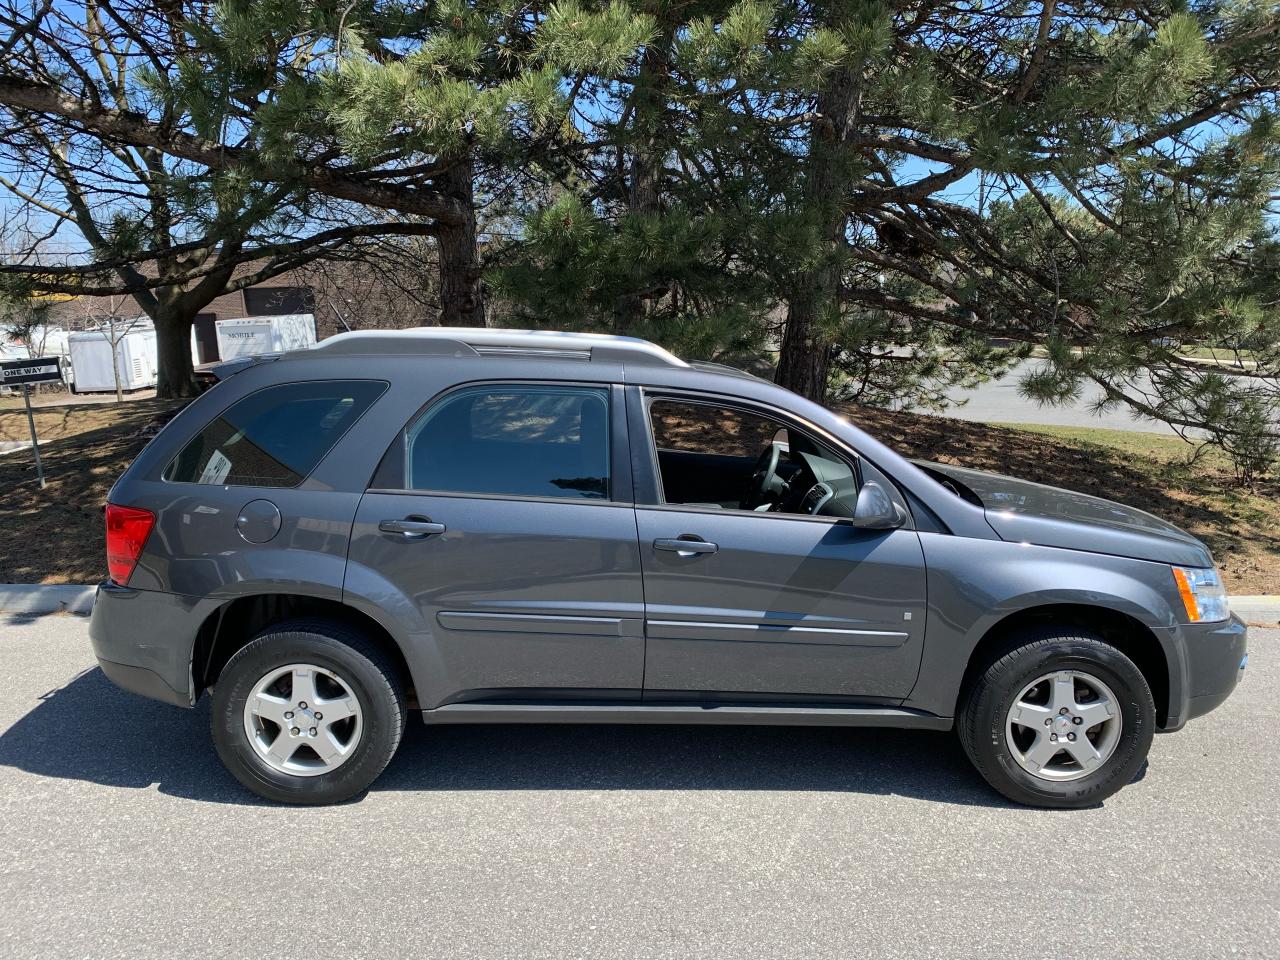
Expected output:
(26, 372)
(39, 370)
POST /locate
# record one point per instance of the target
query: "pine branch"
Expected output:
(136, 129)
(1038, 54)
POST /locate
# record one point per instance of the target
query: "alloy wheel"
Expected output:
(1063, 725)
(303, 720)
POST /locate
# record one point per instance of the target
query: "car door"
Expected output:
(504, 515)
(747, 605)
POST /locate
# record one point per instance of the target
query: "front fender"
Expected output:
(975, 585)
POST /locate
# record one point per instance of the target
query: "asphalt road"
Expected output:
(123, 837)
(998, 401)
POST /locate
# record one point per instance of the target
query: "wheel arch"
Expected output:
(1126, 633)
(233, 624)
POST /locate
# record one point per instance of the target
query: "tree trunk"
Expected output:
(645, 164)
(173, 354)
(115, 358)
(807, 346)
(642, 198)
(461, 293)
(804, 361)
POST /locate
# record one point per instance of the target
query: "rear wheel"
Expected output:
(309, 712)
(1063, 719)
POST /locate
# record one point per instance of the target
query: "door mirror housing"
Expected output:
(876, 510)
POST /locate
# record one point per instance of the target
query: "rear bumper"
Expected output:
(144, 682)
(1216, 654)
(143, 641)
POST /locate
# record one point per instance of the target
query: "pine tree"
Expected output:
(136, 158)
(876, 190)
(639, 237)
(471, 99)
(910, 182)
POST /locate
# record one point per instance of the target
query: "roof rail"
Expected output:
(490, 341)
(727, 370)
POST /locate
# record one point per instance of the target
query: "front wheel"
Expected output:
(309, 712)
(1063, 719)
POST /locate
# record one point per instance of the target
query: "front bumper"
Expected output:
(1213, 661)
(143, 641)
(1216, 658)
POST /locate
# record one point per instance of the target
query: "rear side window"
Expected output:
(275, 437)
(530, 441)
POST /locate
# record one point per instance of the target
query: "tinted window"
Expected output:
(275, 437)
(520, 441)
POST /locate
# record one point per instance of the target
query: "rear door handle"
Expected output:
(412, 528)
(686, 546)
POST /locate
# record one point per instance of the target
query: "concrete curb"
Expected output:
(36, 598)
(1257, 609)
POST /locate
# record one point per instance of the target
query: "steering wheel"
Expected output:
(764, 477)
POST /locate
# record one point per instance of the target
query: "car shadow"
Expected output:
(91, 731)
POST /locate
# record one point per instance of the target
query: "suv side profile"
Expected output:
(502, 526)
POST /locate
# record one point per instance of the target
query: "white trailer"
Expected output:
(48, 341)
(135, 359)
(51, 342)
(253, 336)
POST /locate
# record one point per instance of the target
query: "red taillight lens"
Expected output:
(127, 532)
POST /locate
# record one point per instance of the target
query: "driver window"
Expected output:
(725, 458)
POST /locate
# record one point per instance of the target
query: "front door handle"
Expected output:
(412, 528)
(686, 546)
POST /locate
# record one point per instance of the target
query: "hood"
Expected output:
(1026, 512)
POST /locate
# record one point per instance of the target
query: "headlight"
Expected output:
(1202, 593)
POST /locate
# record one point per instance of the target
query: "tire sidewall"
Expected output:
(1137, 723)
(380, 718)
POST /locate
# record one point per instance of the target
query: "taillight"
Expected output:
(127, 532)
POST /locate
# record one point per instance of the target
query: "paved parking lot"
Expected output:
(123, 837)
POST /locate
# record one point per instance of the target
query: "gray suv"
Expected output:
(495, 526)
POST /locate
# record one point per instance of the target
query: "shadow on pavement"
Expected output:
(22, 618)
(89, 730)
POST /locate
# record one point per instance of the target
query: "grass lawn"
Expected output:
(55, 535)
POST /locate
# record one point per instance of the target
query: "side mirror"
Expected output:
(875, 509)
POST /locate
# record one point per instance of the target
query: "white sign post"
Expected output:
(27, 372)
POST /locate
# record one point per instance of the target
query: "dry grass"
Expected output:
(55, 535)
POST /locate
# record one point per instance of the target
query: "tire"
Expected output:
(1005, 744)
(345, 666)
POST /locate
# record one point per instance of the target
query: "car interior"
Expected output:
(722, 457)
